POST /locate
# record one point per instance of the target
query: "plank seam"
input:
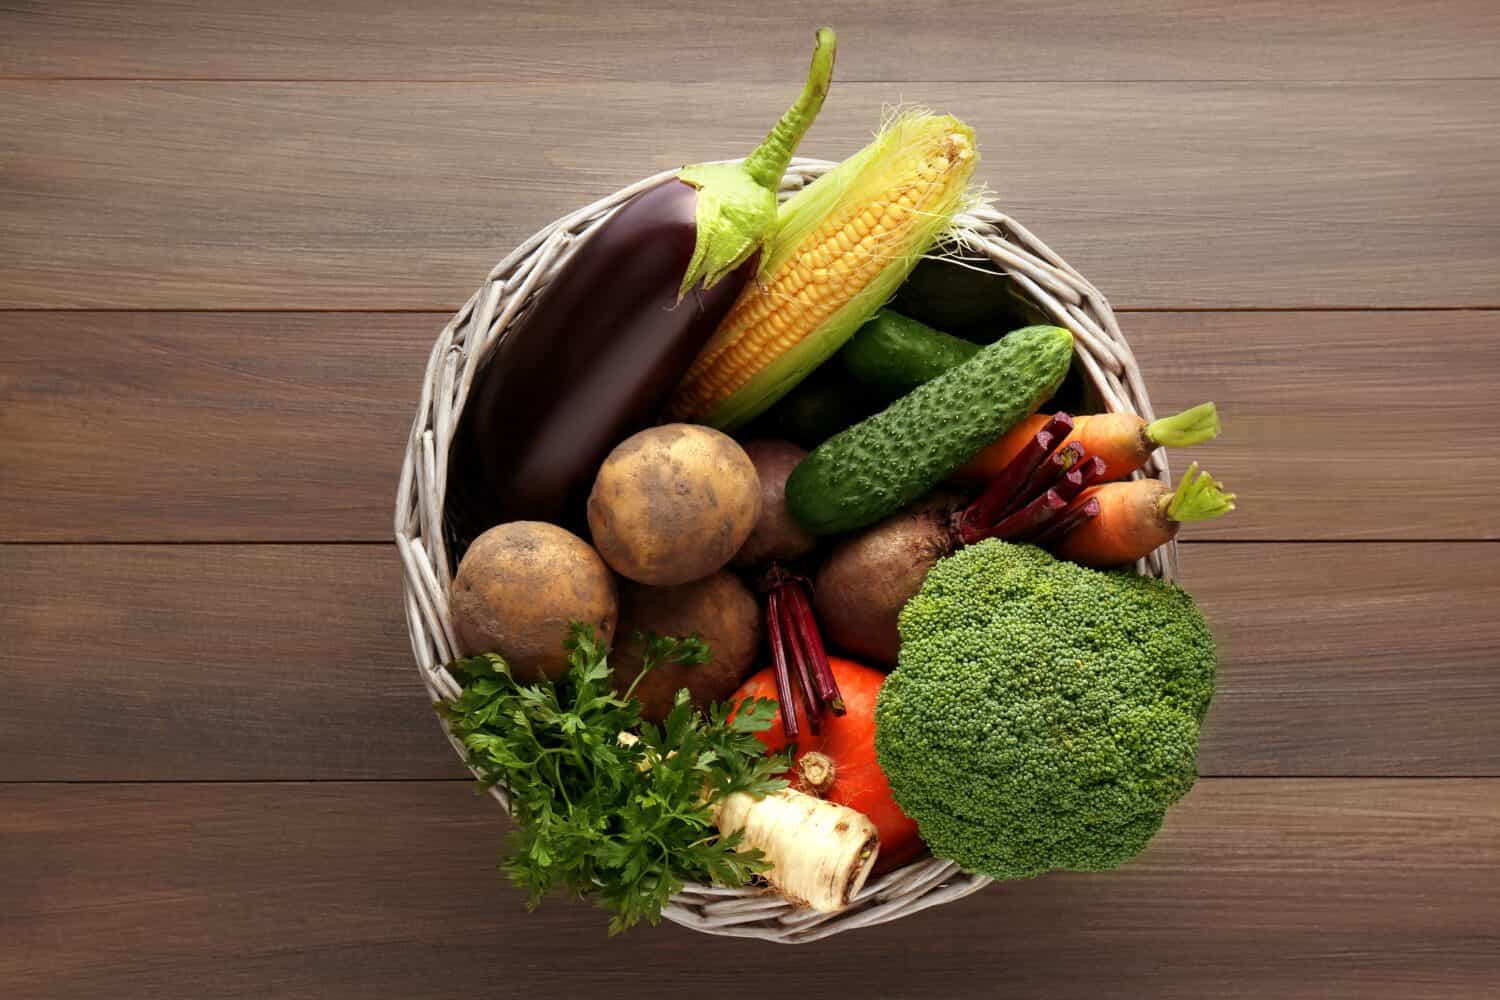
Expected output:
(470, 780)
(254, 542)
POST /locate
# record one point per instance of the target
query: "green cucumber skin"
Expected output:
(817, 409)
(880, 465)
(895, 353)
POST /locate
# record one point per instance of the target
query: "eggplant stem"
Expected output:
(769, 160)
(736, 208)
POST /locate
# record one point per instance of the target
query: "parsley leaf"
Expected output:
(609, 807)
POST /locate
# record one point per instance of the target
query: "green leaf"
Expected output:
(627, 823)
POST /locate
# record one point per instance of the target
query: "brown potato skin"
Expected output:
(719, 609)
(777, 535)
(673, 504)
(517, 589)
(866, 581)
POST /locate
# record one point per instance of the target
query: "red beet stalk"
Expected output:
(1048, 474)
(804, 677)
(1001, 493)
(1080, 477)
(779, 657)
(811, 644)
(1070, 519)
(1028, 519)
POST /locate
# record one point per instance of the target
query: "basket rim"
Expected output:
(1041, 275)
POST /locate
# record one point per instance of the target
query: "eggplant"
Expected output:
(603, 344)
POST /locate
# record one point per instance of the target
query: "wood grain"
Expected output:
(1337, 425)
(391, 196)
(1351, 659)
(207, 426)
(171, 662)
(271, 662)
(566, 40)
(289, 427)
(1325, 889)
(1188, 156)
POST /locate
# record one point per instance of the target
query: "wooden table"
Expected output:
(231, 231)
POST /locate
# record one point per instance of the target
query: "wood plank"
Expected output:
(1349, 425)
(564, 40)
(290, 427)
(1326, 889)
(142, 662)
(1351, 659)
(228, 426)
(190, 662)
(390, 196)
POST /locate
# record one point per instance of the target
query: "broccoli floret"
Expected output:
(1042, 715)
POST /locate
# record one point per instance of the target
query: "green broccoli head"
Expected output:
(1042, 715)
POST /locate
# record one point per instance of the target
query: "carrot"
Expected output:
(993, 460)
(1123, 440)
(1138, 516)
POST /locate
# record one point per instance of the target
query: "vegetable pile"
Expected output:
(792, 550)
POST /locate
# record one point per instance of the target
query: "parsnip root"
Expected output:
(820, 852)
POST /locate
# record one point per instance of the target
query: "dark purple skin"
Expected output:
(590, 364)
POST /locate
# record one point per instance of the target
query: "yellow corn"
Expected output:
(842, 247)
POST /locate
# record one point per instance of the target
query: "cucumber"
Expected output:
(894, 354)
(818, 408)
(965, 297)
(880, 465)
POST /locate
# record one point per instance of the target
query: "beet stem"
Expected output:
(783, 671)
(812, 643)
(786, 622)
(1047, 475)
(1059, 425)
(1067, 522)
(1070, 485)
(1080, 477)
(1000, 494)
(1029, 518)
(1093, 471)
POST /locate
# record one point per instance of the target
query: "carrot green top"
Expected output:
(1199, 497)
(1190, 427)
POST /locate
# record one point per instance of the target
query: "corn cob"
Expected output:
(841, 249)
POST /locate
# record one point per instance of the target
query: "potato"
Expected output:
(719, 609)
(777, 535)
(518, 588)
(673, 504)
(868, 578)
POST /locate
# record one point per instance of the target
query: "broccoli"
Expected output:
(1042, 715)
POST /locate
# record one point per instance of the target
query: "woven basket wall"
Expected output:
(1039, 274)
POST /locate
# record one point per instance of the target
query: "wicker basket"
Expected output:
(1040, 276)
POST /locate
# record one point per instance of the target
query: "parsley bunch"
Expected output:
(608, 806)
